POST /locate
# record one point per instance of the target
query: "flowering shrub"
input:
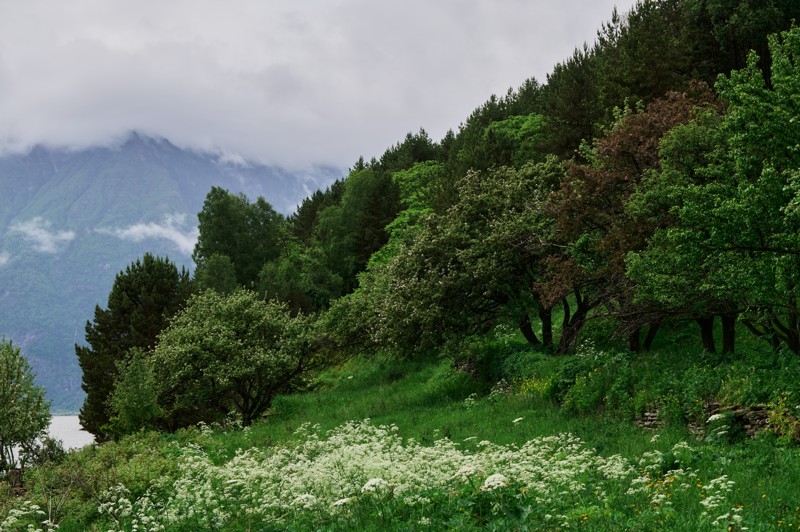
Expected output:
(361, 475)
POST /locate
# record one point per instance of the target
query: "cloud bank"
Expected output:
(173, 228)
(38, 232)
(280, 82)
(5, 258)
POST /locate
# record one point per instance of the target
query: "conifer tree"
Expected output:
(142, 299)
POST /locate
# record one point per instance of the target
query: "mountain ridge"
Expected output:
(73, 219)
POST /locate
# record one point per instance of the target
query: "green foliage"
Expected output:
(144, 297)
(134, 401)
(249, 234)
(24, 412)
(217, 273)
(300, 279)
(462, 270)
(230, 354)
(726, 193)
(515, 140)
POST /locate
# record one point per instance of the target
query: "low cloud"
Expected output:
(5, 258)
(281, 82)
(38, 231)
(173, 229)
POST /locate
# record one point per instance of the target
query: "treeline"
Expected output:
(652, 177)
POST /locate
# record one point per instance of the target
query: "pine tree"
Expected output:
(142, 299)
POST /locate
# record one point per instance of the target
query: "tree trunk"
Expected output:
(793, 321)
(634, 341)
(570, 332)
(651, 335)
(707, 333)
(728, 333)
(527, 330)
(546, 315)
(767, 333)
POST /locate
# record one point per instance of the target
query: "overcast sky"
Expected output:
(288, 82)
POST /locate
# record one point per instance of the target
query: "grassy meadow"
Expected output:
(382, 443)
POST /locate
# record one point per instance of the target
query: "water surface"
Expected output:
(68, 430)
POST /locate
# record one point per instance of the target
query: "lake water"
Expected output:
(68, 430)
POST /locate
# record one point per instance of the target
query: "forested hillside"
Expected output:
(614, 245)
(649, 181)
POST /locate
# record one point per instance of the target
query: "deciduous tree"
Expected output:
(249, 234)
(24, 411)
(230, 354)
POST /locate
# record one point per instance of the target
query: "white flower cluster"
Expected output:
(375, 485)
(496, 481)
(355, 462)
(26, 511)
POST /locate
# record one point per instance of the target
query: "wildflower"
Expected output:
(305, 500)
(341, 502)
(466, 471)
(374, 485)
(516, 421)
(471, 401)
(498, 480)
(715, 417)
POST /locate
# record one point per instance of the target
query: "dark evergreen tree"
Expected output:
(305, 218)
(723, 32)
(571, 103)
(142, 300)
(642, 54)
(347, 234)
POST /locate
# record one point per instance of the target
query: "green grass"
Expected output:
(428, 401)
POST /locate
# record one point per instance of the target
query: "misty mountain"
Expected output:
(71, 220)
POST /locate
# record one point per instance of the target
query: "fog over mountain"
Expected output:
(71, 220)
(281, 82)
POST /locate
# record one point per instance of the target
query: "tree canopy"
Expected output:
(228, 354)
(24, 411)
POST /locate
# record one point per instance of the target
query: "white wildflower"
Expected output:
(496, 481)
(374, 485)
(305, 500)
(467, 471)
(517, 420)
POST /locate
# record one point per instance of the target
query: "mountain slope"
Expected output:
(71, 220)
